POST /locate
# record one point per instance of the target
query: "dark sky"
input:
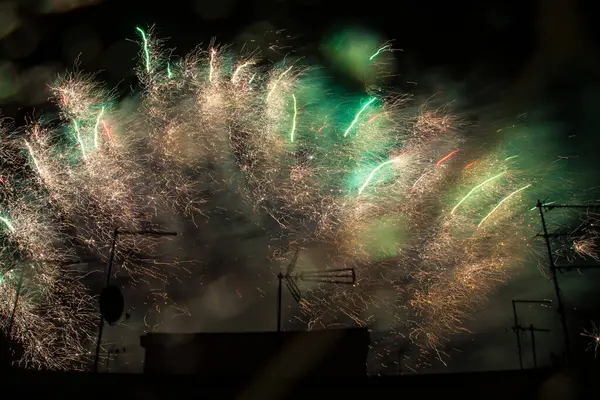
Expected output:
(526, 55)
(494, 38)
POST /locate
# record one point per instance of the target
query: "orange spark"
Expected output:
(106, 130)
(447, 156)
(469, 165)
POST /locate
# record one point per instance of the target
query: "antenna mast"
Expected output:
(543, 209)
(340, 276)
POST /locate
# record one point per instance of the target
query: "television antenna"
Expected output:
(112, 303)
(544, 208)
(340, 276)
(517, 328)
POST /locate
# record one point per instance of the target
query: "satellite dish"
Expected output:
(112, 304)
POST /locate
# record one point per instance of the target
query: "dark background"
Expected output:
(504, 57)
(477, 43)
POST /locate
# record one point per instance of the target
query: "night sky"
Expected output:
(496, 58)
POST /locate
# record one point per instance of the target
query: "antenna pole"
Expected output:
(518, 328)
(109, 266)
(14, 310)
(518, 333)
(531, 330)
(280, 278)
(113, 247)
(108, 273)
(553, 269)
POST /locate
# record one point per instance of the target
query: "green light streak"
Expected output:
(502, 201)
(37, 166)
(545, 204)
(357, 116)
(78, 135)
(293, 132)
(381, 49)
(393, 160)
(252, 79)
(277, 81)
(510, 158)
(96, 127)
(474, 189)
(237, 71)
(8, 224)
(146, 50)
(169, 72)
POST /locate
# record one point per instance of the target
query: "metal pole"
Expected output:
(553, 269)
(533, 345)
(108, 273)
(14, 310)
(280, 277)
(518, 333)
(111, 256)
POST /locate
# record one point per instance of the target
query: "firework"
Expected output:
(430, 217)
(594, 334)
(44, 303)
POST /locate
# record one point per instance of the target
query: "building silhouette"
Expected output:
(325, 353)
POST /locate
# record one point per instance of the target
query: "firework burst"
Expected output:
(430, 216)
(594, 334)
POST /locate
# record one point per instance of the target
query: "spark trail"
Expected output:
(146, 49)
(357, 116)
(374, 171)
(96, 126)
(474, 189)
(501, 202)
(276, 83)
(379, 51)
(238, 69)
(79, 139)
(293, 130)
(7, 223)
